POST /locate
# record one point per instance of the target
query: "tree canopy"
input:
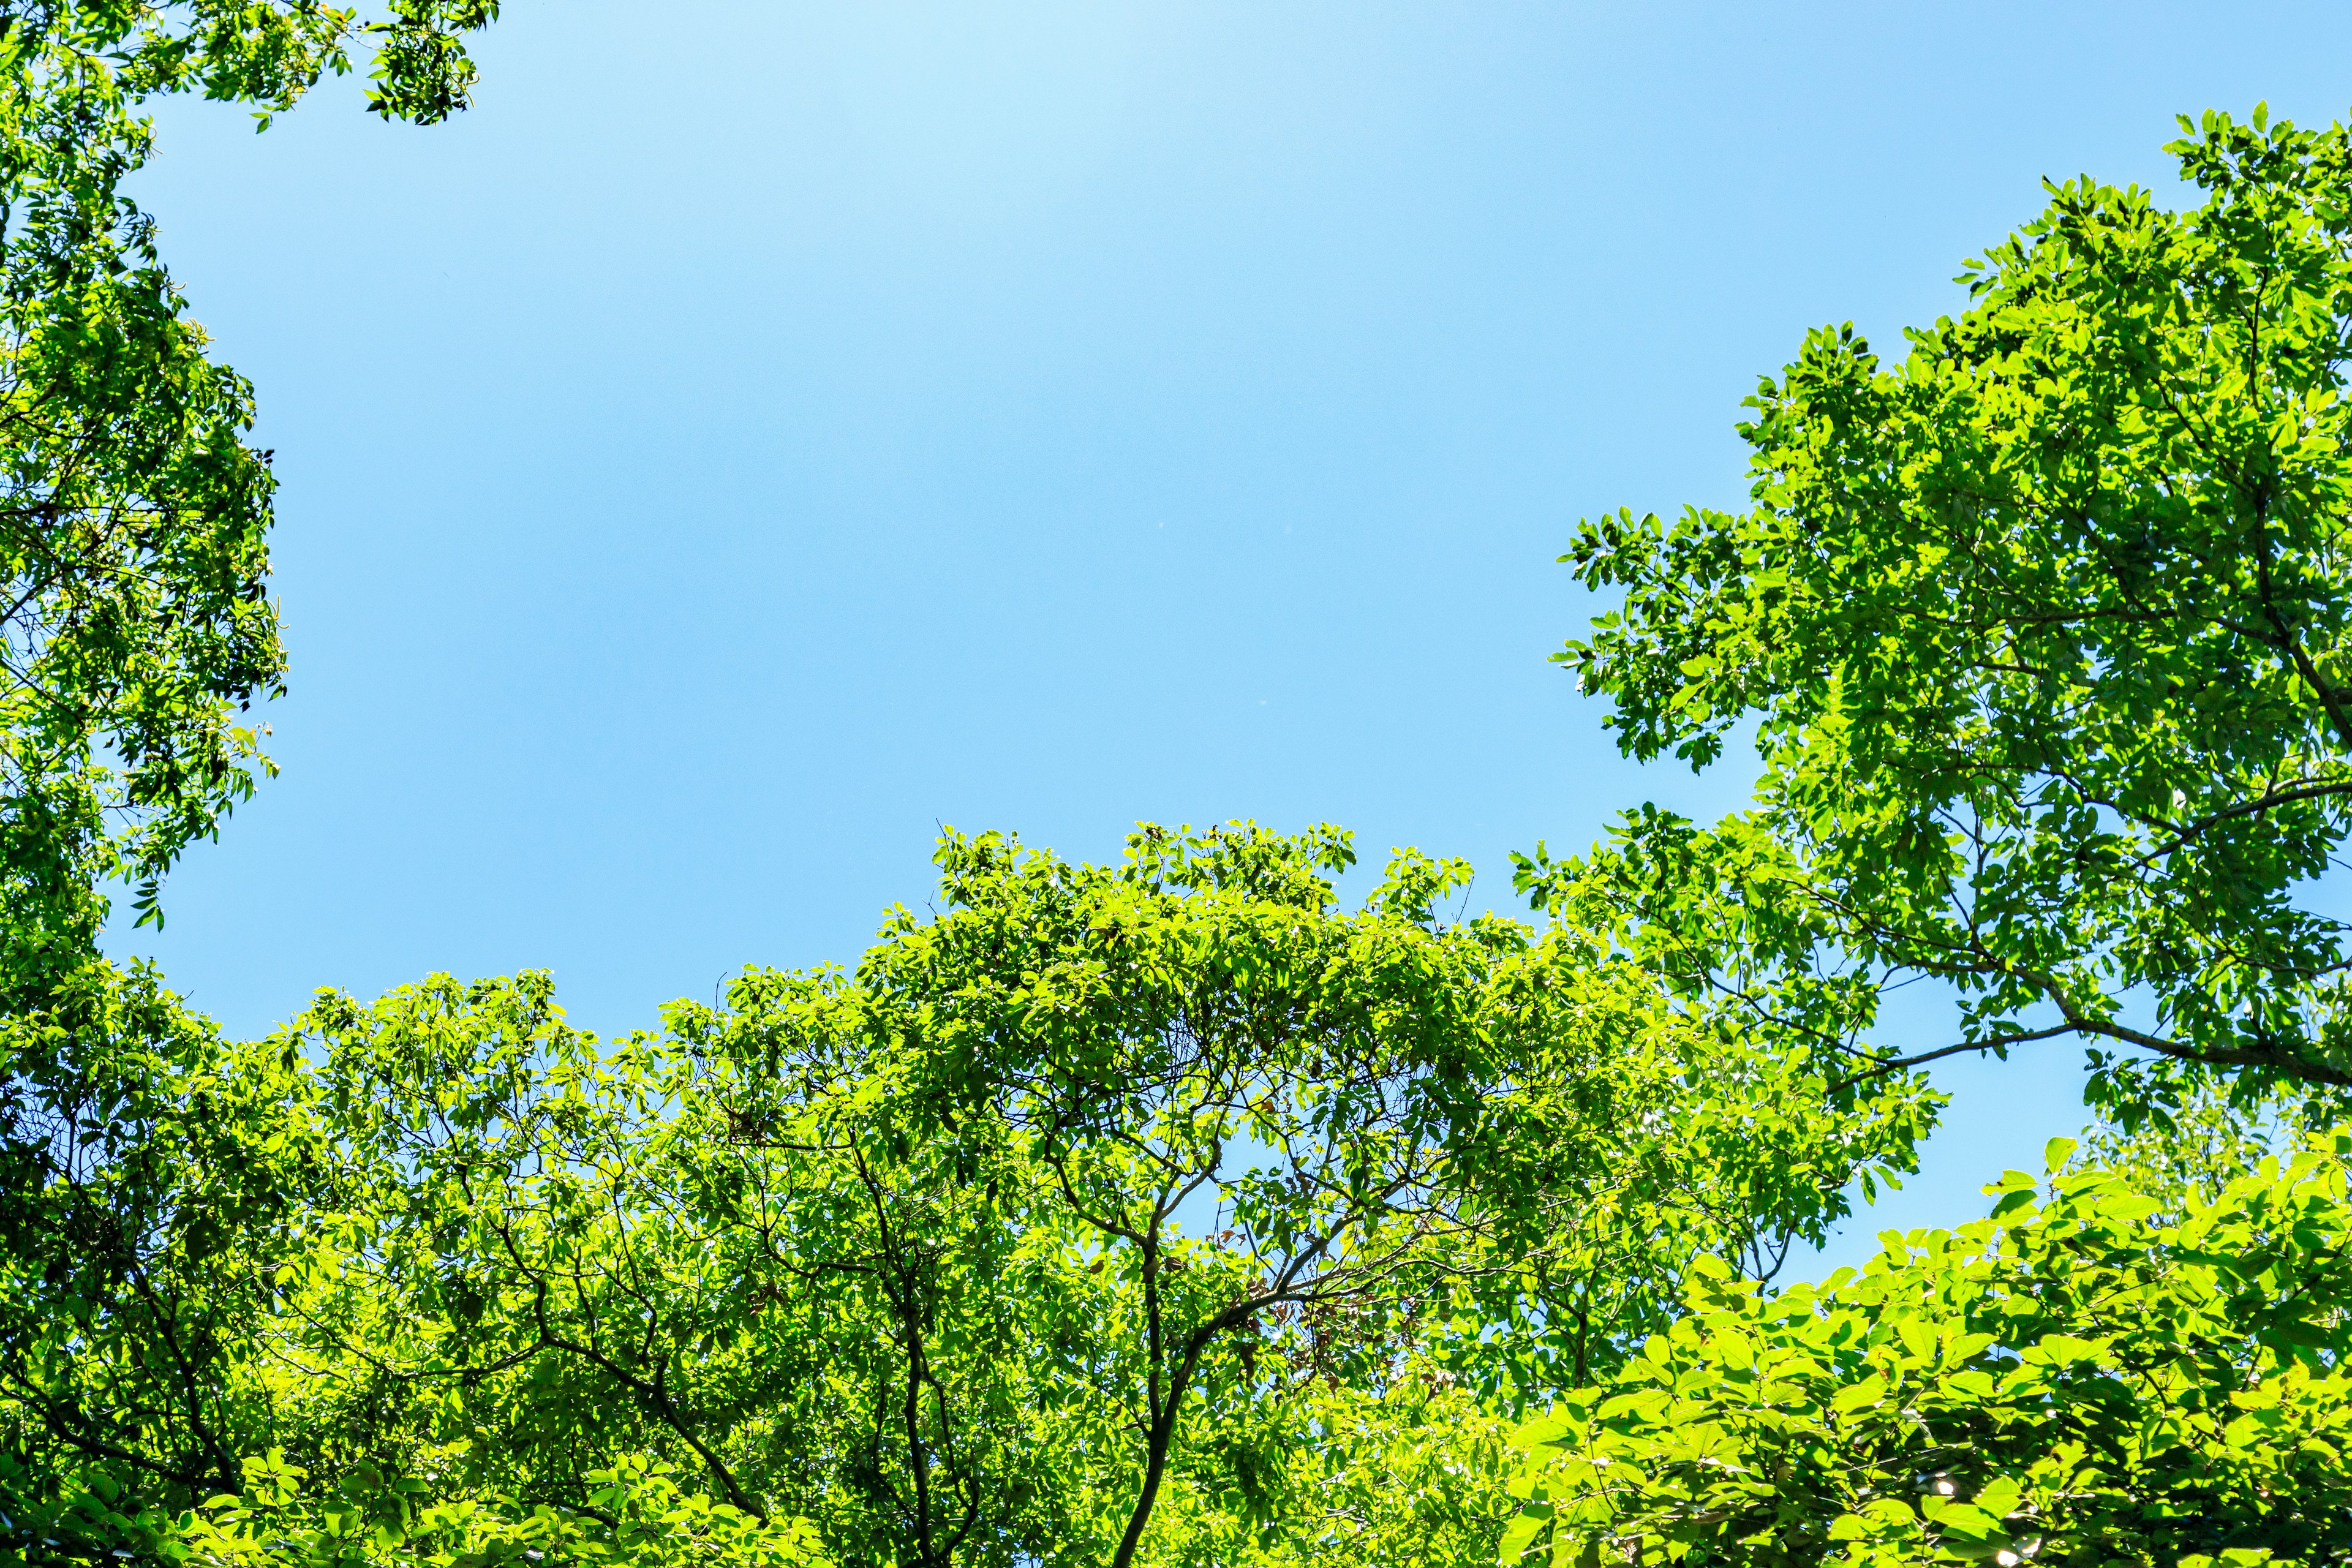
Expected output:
(2038, 634)
(1054, 1231)
(2040, 631)
(1171, 1211)
(2072, 1380)
(136, 630)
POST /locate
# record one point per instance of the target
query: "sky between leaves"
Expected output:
(758, 433)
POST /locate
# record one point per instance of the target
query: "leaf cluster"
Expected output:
(1163, 1211)
(2074, 1379)
(2041, 633)
(135, 629)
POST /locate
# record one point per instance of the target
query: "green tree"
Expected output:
(2042, 634)
(135, 629)
(177, 1252)
(155, 1196)
(1411, 1472)
(2075, 1380)
(1162, 1212)
(155, 1181)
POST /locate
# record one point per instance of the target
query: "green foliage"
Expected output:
(1159, 1212)
(1168, 1212)
(178, 1214)
(2073, 1380)
(636, 1515)
(1411, 1473)
(133, 514)
(2189, 1146)
(901, 1249)
(2043, 633)
(159, 1186)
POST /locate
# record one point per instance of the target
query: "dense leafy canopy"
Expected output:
(1169, 1212)
(2043, 633)
(2072, 1380)
(1056, 1230)
(2040, 634)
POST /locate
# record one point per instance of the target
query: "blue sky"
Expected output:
(757, 434)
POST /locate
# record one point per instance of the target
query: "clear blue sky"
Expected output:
(758, 433)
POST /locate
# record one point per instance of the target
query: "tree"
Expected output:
(637, 1517)
(155, 1196)
(2072, 1380)
(172, 1261)
(149, 1191)
(141, 1166)
(1146, 1212)
(2043, 633)
(135, 625)
(1389, 1114)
